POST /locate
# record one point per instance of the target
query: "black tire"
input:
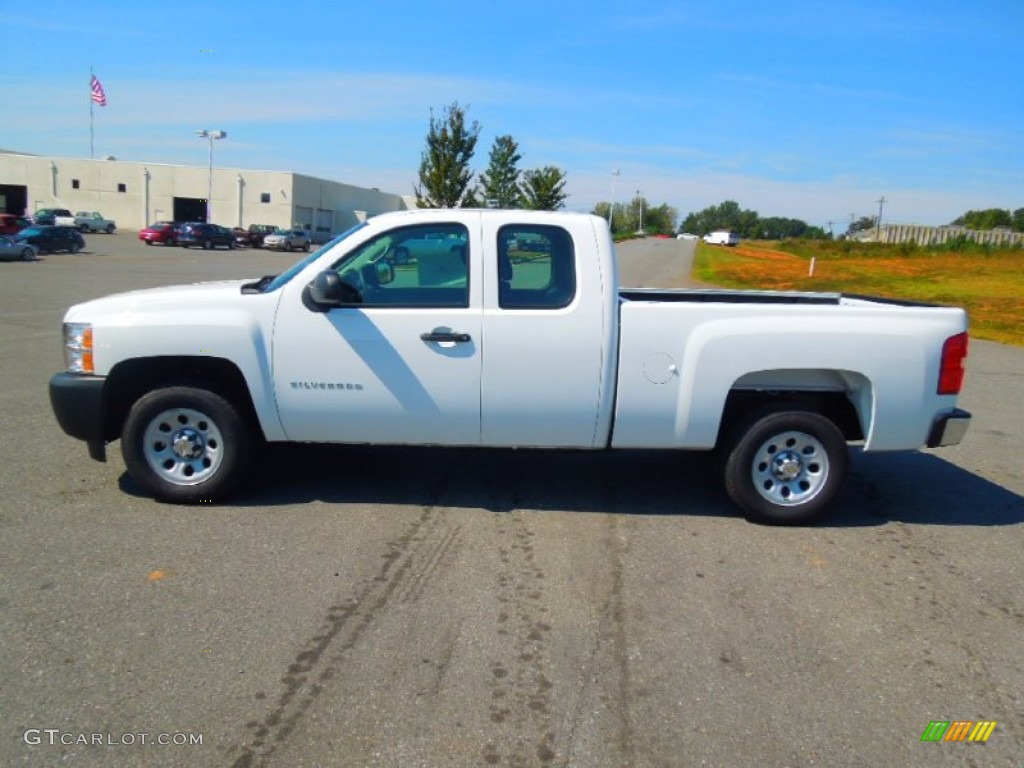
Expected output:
(148, 242)
(784, 467)
(26, 254)
(207, 245)
(84, 228)
(110, 229)
(74, 248)
(306, 247)
(186, 445)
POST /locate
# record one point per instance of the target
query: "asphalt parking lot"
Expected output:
(405, 607)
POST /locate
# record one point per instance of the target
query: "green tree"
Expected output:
(544, 189)
(660, 219)
(727, 215)
(990, 218)
(500, 182)
(863, 224)
(1018, 220)
(444, 166)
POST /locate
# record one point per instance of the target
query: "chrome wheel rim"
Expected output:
(790, 468)
(183, 446)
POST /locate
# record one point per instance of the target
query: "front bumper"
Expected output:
(949, 428)
(78, 404)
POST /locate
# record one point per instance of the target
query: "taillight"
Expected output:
(951, 370)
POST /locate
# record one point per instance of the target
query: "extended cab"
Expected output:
(440, 327)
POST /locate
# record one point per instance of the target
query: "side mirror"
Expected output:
(329, 290)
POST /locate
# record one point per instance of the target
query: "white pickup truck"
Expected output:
(88, 221)
(483, 343)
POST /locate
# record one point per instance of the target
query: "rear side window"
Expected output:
(536, 267)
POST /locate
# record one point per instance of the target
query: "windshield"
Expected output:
(30, 231)
(285, 277)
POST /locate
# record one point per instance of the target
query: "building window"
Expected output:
(122, 187)
(264, 197)
(74, 183)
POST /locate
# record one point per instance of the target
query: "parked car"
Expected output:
(686, 236)
(241, 236)
(11, 250)
(48, 238)
(287, 240)
(163, 232)
(11, 224)
(259, 231)
(206, 236)
(90, 221)
(48, 215)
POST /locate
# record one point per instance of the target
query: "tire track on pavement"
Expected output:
(411, 562)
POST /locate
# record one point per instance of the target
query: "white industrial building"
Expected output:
(138, 194)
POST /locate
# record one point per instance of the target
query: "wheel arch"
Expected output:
(131, 379)
(843, 397)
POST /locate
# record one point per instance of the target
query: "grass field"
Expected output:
(988, 283)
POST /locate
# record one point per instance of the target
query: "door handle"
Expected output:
(461, 338)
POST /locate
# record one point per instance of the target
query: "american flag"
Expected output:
(98, 94)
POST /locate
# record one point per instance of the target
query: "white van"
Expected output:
(722, 237)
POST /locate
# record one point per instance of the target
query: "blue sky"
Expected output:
(812, 110)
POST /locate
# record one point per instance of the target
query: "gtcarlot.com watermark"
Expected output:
(35, 737)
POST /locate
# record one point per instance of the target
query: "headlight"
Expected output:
(78, 347)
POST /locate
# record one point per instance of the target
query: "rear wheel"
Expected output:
(207, 245)
(26, 254)
(784, 467)
(74, 248)
(186, 445)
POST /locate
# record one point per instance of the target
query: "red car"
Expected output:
(164, 232)
(11, 224)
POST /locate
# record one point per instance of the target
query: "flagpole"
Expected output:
(92, 151)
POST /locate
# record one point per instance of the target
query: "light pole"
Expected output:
(611, 205)
(210, 136)
(640, 202)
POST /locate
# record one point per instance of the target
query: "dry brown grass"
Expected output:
(989, 284)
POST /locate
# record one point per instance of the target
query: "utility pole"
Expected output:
(878, 224)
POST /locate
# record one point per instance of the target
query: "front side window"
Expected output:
(536, 267)
(420, 266)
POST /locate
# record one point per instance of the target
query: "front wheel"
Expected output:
(186, 445)
(26, 254)
(784, 467)
(110, 229)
